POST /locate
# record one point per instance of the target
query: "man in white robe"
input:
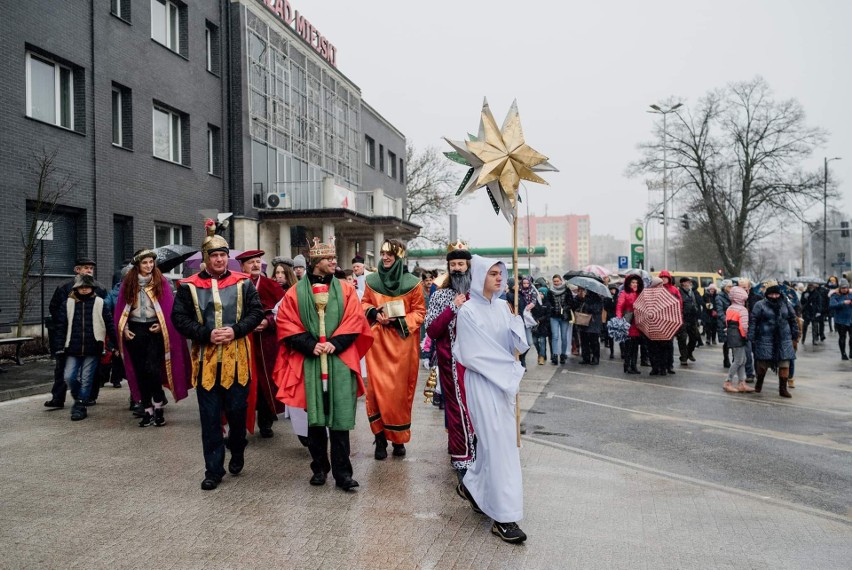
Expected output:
(487, 338)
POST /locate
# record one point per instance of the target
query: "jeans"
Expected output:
(737, 371)
(541, 346)
(560, 341)
(79, 374)
(749, 366)
(211, 404)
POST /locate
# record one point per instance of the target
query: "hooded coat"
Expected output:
(772, 330)
(487, 337)
(625, 302)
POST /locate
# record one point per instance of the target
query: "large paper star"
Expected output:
(499, 160)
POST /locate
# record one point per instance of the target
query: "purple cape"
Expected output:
(177, 354)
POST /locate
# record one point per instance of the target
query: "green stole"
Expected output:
(336, 408)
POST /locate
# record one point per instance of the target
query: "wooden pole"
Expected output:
(515, 274)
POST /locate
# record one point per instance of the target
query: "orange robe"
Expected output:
(392, 366)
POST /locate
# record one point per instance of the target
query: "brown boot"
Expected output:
(782, 388)
(758, 384)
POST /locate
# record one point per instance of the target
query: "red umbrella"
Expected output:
(657, 313)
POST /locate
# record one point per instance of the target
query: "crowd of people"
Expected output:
(306, 343)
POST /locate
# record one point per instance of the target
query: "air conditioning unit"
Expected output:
(278, 201)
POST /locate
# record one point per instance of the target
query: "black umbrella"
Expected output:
(172, 255)
(577, 273)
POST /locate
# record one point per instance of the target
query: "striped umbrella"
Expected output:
(657, 313)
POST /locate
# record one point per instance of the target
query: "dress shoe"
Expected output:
(347, 483)
(318, 479)
(266, 432)
(398, 450)
(235, 465)
(55, 404)
(670, 371)
(209, 483)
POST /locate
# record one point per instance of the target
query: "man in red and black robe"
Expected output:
(264, 341)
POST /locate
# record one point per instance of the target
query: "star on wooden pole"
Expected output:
(499, 159)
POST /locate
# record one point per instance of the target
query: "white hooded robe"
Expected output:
(487, 336)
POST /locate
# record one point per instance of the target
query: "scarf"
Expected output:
(528, 295)
(393, 281)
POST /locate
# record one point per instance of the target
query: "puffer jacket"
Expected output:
(723, 301)
(765, 318)
(625, 302)
(737, 316)
(841, 311)
(82, 341)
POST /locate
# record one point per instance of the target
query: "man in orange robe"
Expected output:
(392, 362)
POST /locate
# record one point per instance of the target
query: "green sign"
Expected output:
(637, 255)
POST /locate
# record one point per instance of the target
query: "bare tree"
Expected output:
(51, 186)
(738, 157)
(430, 192)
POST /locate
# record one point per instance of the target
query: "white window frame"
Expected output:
(57, 87)
(172, 14)
(176, 232)
(210, 145)
(208, 38)
(175, 148)
(118, 113)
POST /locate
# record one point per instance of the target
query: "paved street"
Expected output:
(619, 472)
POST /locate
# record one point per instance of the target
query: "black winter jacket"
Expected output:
(766, 319)
(82, 341)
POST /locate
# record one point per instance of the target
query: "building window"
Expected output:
(122, 116)
(381, 158)
(168, 21)
(168, 135)
(120, 9)
(168, 234)
(401, 172)
(369, 151)
(214, 150)
(392, 165)
(211, 36)
(50, 92)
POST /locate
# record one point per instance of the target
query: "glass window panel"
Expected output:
(116, 117)
(158, 21)
(162, 143)
(42, 90)
(175, 138)
(173, 27)
(65, 98)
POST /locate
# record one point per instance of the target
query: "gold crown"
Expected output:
(319, 250)
(397, 251)
(458, 245)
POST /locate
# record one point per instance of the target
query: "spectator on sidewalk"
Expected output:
(841, 308)
(772, 331)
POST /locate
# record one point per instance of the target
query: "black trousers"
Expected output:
(590, 347)
(318, 439)
(147, 354)
(710, 327)
(687, 340)
(60, 388)
(211, 403)
(659, 351)
(842, 331)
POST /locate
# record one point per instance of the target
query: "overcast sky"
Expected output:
(584, 74)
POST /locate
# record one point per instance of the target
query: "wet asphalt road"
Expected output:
(797, 450)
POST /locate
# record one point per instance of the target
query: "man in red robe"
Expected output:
(264, 341)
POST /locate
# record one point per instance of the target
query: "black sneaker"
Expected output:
(462, 492)
(54, 404)
(159, 420)
(147, 420)
(78, 412)
(398, 450)
(509, 532)
(210, 483)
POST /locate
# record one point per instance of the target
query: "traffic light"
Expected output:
(685, 222)
(844, 229)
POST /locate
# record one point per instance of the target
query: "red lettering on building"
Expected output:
(303, 28)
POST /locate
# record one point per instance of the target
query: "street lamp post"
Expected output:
(825, 215)
(664, 112)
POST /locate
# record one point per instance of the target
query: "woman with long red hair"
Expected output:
(155, 355)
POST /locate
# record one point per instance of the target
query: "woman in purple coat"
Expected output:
(154, 353)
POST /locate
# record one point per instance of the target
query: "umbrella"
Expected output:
(590, 284)
(808, 279)
(646, 277)
(657, 313)
(598, 270)
(170, 256)
(577, 273)
(194, 262)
